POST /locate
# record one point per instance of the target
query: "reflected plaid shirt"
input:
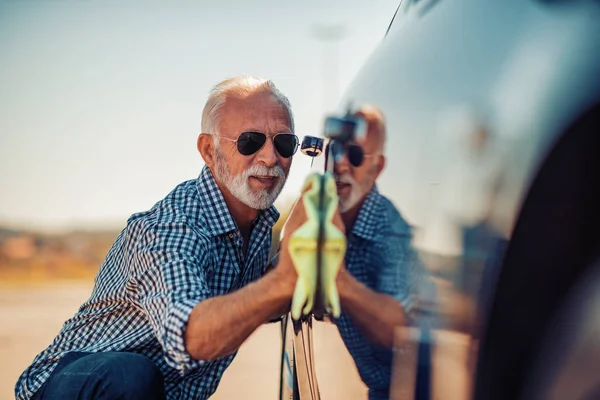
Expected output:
(379, 255)
(187, 248)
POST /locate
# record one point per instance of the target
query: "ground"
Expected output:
(32, 314)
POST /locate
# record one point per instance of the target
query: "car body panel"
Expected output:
(477, 95)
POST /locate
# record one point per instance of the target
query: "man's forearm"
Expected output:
(219, 325)
(375, 314)
(285, 308)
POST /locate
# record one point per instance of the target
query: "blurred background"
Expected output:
(100, 107)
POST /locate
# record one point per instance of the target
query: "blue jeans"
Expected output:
(103, 376)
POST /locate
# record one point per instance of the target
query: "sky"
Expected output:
(101, 102)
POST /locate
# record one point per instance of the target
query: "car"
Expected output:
(493, 156)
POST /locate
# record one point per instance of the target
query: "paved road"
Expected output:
(31, 317)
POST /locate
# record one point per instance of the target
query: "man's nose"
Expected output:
(268, 154)
(342, 166)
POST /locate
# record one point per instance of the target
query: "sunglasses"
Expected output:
(354, 152)
(249, 143)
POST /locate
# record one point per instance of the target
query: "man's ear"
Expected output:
(380, 165)
(206, 148)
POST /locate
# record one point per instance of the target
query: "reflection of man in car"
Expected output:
(378, 283)
(182, 286)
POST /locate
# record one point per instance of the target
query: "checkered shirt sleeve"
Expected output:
(169, 281)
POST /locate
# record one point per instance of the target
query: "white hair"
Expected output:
(238, 85)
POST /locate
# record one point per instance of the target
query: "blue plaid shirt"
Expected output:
(379, 255)
(187, 248)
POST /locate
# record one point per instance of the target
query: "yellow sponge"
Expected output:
(303, 249)
(334, 250)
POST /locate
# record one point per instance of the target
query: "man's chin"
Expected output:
(347, 203)
(263, 203)
(343, 206)
(258, 199)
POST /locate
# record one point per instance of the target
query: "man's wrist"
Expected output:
(344, 282)
(284, 278)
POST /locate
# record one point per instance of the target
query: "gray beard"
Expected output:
(356, 193)
(239, 185)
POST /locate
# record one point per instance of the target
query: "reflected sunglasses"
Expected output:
(354, 152)
(249, 143)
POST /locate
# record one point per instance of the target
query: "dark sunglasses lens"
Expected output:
(355, 155)
(250, 142)
(286, 144)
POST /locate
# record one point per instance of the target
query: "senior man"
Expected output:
(381, 273)
(184, 284)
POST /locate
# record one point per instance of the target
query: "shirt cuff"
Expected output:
(176, 354)
(407, 302)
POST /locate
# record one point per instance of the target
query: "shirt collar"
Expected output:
(269, 216)
(219, 218)
(366, 222)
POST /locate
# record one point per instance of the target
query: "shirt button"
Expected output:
(231, 235)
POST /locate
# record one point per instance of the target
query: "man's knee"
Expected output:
(111, 375)
(134, 376)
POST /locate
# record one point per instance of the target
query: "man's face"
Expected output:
(257, 179)
(354, 183)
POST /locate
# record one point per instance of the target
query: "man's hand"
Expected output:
(338, 222)
(296, 219)
(219, 325)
